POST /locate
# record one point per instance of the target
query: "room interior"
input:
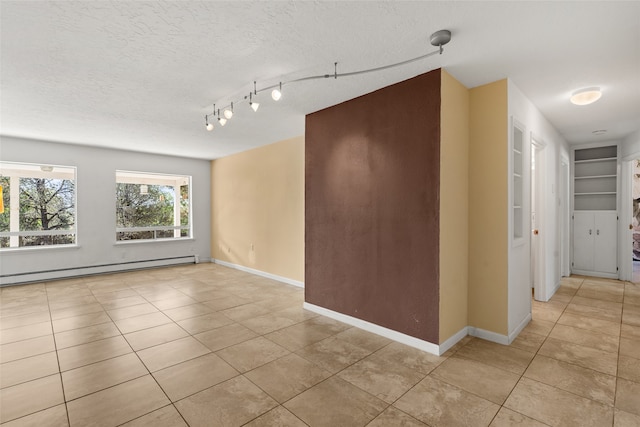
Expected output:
(331, 222)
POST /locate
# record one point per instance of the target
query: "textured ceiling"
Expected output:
(142, 75)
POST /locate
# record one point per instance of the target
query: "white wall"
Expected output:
(631, 147)
(537, 125)
(96, 216)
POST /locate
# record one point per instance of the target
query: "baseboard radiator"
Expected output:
(73, 272)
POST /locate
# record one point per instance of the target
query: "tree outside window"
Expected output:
(39, 204)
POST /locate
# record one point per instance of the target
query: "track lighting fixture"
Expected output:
(228, 112)
(254, 105)
(437, 39)
(276, 94)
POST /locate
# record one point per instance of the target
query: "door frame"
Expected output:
(539, 269)
(564, 177)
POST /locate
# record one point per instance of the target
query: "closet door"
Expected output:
(583, 239)
(605, 243)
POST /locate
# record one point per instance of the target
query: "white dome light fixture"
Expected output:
(586, 96)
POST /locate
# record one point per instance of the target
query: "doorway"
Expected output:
(537, 221)
(635, 221)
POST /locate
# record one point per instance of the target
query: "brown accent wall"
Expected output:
(372, 167)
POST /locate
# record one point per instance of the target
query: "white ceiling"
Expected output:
(141, 75)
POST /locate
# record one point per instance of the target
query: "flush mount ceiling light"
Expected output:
(599, 132)
(437, 39)
(586, 96)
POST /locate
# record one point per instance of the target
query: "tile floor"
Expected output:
(204, 345)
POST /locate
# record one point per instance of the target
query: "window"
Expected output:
(152, 206)
(38, 205)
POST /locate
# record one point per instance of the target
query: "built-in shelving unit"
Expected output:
(518, 183)
(595, 179)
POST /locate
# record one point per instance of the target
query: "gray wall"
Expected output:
(96, 217)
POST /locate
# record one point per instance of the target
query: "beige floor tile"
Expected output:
(612, 315)
(219, 304)
(629, 368)
(118, 404)
(132, 311)
(27, 369)
(580, 355)
(176, 302)
(123, 302)
(27, 398)
(268, 323)
(187, 311)
(76, 311)
(614, 307)
(630, 347)
(252, 353)
(381, 378)
(600, 290)
(500, 356)
(299, 335)
(154, 336)
(486, 381)
(557, 407)
(172, 353)
(628, 396)
(244, 312)
(395, 417)
(207, 322)
(437, 403)
(297, 313)
(630, 331)
(333, 354)
(98, 376)
(231, 403)
(163, 417)
(528, 341)
(86, 335)
(138, 323)
(110, 294)
(631, 315)
(591, 324)
(586, 338)
(278, 416)
(8, 322)
(574, 379)
(625, 419)
(335, 402)
(27, 348)
(225, 336)
(363, 339)
(52, 417)
(550, 312)
(80, 355)
(72, 301)
(286, 377)
(26, 332)
(410, 357)
(539, 327)
(192, 376)
(159, 293)
(84, 320)
(508, 418)
(24, 309)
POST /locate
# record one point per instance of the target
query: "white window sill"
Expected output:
(40, 248)
(152, 241)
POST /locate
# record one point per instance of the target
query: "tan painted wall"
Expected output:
(488, 226)
(257, 209)
(454, 206)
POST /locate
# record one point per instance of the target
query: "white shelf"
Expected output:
(604, 159)
(596, 176)
(611, 193)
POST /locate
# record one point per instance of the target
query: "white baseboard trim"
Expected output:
(488, 335)
(259, 273)
(514, 334)
(453, 340)
(72, 272)
(376, 329)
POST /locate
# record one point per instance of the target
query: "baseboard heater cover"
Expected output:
(62, 273)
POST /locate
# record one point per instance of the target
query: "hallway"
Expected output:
(205, 345)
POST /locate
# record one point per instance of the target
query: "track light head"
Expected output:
(222, 121)
(254, 105)
(276, 94)
(228, 112)
(207, 125)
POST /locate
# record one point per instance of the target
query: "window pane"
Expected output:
(39, 205)
(152, 206)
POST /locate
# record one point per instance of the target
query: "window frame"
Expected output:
(148, 178)
(38, 170)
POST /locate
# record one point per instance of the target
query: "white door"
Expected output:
(583, 238)
(605, 244)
